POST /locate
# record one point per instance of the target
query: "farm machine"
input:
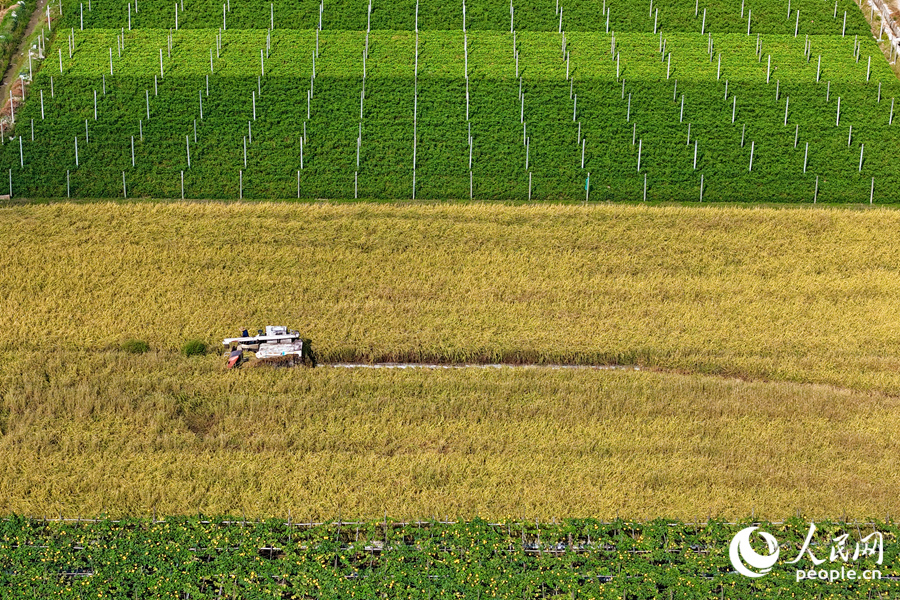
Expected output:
(277, 346)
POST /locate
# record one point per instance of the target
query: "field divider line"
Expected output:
(480, 366)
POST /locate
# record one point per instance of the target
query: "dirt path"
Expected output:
(436, 366)
(19, 58)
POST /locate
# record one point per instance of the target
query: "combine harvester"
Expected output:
(278, 347)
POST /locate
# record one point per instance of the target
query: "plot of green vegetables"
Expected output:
(583, 112)
(574, 559)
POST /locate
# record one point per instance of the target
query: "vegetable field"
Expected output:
(618, 100)
(232, 558)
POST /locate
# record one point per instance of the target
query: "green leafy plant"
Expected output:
(194, 348)
(135, 346)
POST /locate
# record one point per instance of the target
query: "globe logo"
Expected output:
(744, 557)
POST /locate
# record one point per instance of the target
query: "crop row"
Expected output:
(734, 57)
(718, 16)
(582, 559)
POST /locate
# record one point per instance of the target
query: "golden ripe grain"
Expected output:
(804, 295)
(108, 432)
(798, 307)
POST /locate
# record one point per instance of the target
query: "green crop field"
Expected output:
(585, 558)
(607, 101)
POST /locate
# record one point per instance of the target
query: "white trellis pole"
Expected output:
(838, 120)
(640, 148)
(805, 157)
(132, 151)
(862, 148)
(466, 53)
(752, 149)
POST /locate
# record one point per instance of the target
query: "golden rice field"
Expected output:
(767, 338)
(86, 433)
(786, 294)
